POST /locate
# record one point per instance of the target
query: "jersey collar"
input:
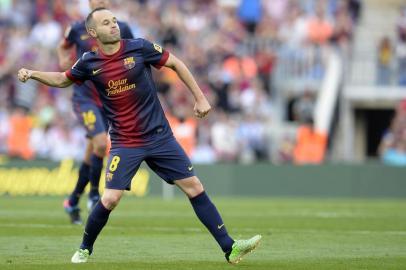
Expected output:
(100, 51)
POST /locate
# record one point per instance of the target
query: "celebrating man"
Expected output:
(121, 72)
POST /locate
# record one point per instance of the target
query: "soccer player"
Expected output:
(121, 72)
(88, 108)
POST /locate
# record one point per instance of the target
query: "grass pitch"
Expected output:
(155, 234)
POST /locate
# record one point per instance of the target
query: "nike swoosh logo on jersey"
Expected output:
(220, 226)
(190, 168)
(97, 71)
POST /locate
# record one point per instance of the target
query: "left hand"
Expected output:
(202, 108)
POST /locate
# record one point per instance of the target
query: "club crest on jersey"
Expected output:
(157, 48)
(129, 62)
(109, 176)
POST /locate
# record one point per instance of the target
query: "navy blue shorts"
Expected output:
(166, 158)
(91, 117)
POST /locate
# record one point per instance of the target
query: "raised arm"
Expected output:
(202, 106)
(54, 79)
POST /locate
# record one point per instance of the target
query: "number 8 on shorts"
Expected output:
(114, 163)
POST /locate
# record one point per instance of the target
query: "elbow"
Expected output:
(64, 85)
(174, 63)
(63, 81)
(174, 67)
(171, 65)
(177, 65)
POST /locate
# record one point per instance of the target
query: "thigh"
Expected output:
(170, 162)
(122, 165)
(91, 117)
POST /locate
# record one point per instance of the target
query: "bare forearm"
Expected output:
(54, 79)
(202, 106)
(186, 76)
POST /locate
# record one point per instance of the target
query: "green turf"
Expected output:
(155, 234)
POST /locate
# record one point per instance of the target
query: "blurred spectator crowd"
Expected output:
(392, 148)
(233, 47)
(391, 55)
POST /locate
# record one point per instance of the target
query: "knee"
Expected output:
(100, 150)
(198, 187)
(194, 188)
(100, 147)
(110, 201)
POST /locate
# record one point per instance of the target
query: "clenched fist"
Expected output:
(24, 74)
(202, 108)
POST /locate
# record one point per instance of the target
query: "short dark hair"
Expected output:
(89, 18)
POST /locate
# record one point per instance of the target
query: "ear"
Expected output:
(92, 32)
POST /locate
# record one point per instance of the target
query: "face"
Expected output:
(99, 4)
(105, 29)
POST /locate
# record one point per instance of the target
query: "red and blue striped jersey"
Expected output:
(127, 90)
(76, 35)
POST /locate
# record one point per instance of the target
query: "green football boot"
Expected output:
(80, 256)
(241, 248)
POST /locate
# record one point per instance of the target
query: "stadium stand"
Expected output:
(259, 62)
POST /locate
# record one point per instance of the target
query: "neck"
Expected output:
(110, 48)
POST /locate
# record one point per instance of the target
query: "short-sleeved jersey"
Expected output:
(78, 36)
(127, 91)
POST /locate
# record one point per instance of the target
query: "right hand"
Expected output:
(24, 74)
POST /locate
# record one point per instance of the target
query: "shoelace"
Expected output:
(83, 253)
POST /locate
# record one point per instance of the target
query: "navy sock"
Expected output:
(94, 175)
(83, 179)
(210, 217)
(95, 223)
